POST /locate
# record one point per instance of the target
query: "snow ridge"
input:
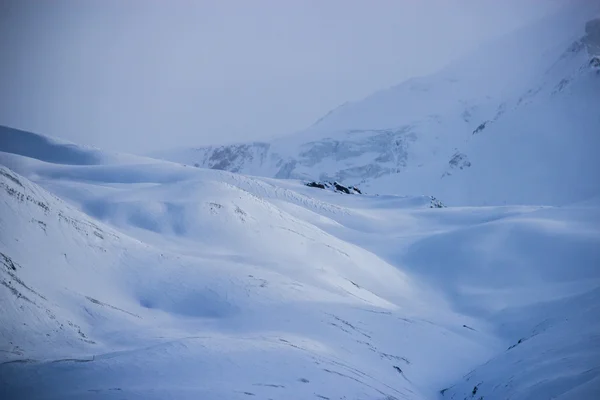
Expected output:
(152, 279)
(133, 277)
(536, 89)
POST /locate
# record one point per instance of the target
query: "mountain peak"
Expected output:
(491, 103)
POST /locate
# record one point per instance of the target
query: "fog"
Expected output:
(142, 75)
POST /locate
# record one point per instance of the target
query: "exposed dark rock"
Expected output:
(12, 178)
(341, 188)
(480, 127)
(459, 160)
(21, 197)
(561, 85)
(315, 185)
(515, 345)
(8, 262)
(338, 187)
(435, 203)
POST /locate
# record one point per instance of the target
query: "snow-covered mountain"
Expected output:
(132, 277)
(127, 277)
(514, 123)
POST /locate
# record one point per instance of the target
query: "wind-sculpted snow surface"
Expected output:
(142, 279)
(524, 107)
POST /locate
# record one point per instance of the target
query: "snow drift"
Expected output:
(151, 279)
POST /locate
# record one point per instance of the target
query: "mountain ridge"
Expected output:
(439, 116)
(124, 276)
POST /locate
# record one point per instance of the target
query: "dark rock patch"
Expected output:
(480, 128)
(435, 203)
(315, 185)
(341, 188)
(336, 186)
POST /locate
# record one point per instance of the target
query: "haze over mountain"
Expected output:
(127, 276)
(146, 75)
(514, 123)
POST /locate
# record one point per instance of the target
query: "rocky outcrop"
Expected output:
(335, 186)
(458, 161)
(234, 158)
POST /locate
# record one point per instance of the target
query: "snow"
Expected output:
(524, 110)
(132, 277)
(150, 279)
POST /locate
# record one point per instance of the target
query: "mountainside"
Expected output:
(135, 278)
(524, 107)
(207, 277)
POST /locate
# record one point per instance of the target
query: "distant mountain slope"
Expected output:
(526, 103)
(57, 151)
(45, 149)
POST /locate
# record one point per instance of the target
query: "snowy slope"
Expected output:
(135, 278)
(527, 105)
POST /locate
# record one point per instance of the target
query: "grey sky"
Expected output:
(140, 75)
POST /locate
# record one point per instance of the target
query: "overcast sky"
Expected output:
(140, 75)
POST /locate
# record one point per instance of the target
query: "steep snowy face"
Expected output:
(521, 104)
(234, 158)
